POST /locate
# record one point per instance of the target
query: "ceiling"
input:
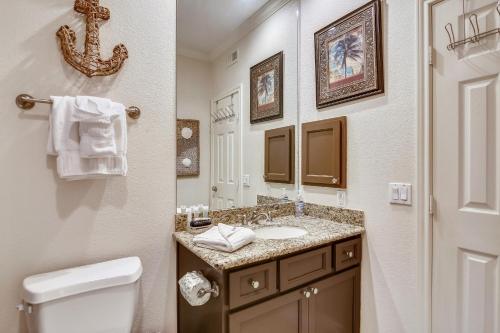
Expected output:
(202, 25)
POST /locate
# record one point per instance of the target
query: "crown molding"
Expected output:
(247, 26)
(192, 54)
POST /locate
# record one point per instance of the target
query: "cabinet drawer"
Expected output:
(347, 254)
(251, 284)
(305, 267)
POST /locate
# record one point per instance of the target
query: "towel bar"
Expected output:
(27, 102)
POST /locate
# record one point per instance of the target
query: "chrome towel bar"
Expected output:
(27, 102)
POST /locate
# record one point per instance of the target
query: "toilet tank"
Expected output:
(98, 298)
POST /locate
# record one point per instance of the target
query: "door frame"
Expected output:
(238, 89)
(425, 162)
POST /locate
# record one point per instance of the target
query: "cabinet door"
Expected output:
(279, 164)
(284, 314)
(335, 307)
(324, 153)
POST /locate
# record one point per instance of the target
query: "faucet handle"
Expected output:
(243, 219)
(270, 215)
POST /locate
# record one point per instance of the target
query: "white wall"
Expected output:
(381, 149)
(194, 92)
(48, 224)
(277, 33)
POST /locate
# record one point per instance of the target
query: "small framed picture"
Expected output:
(349, 63)
(266, 89)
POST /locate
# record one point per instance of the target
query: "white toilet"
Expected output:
(98, 298)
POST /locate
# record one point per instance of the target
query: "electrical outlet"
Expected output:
(246, 180)
(341, 198)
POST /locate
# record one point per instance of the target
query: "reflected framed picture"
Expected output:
(349, 60)
(266, 89)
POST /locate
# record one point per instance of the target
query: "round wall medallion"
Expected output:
(186, 133)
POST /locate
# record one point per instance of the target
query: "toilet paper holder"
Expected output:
(214, 290)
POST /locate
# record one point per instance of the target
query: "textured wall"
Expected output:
(47, 224)
(382, 146)
(194, 92)
(277, 33)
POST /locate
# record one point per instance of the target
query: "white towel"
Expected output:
(97, 136)
(225, 238)
(64, 142)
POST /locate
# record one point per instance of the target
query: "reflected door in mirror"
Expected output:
(225, 141)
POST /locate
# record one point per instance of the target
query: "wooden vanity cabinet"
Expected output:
(297, 293)
(333, 309)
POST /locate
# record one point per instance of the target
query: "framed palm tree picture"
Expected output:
(349, 63)
(266, 89)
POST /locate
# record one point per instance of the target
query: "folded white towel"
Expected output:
(225, 238)
(97, 136)
(64, 142)
(63, 130)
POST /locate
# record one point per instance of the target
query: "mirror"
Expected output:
(237, 112)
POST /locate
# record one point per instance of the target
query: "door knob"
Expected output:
(335, 180)
(255, 284)
(214, 188)
(315, 291)
(349, 254)
(307, 293)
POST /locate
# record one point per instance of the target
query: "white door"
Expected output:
(466, 171)
(225, 142)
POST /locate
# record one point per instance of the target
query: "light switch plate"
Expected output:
(400, 194)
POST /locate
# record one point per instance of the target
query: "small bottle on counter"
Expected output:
(205, 211)
(299, 205)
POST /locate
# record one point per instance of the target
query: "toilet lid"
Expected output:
(46, 287)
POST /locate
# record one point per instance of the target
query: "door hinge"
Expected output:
(430, 55)
(431, 205)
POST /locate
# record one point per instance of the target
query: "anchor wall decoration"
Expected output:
(90, 62)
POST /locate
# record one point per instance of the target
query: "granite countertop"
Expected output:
(320, 231)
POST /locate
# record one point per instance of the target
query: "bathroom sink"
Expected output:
(279, 232)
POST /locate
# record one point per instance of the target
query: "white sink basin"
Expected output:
(279, 232)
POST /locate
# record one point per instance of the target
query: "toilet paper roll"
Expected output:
(190, 284)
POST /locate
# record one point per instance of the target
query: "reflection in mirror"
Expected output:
(236, 102)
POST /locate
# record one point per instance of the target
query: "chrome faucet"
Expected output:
(256, 217)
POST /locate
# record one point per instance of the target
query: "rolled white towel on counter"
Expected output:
(225, 238)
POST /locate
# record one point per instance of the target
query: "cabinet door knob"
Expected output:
(255, 284)
(349, 254)
(335, 180)
(214, 188)
(315, 291)
(307, 293)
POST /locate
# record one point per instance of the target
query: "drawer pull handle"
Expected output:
(349, 254)
(255, 284)
(307, 293)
